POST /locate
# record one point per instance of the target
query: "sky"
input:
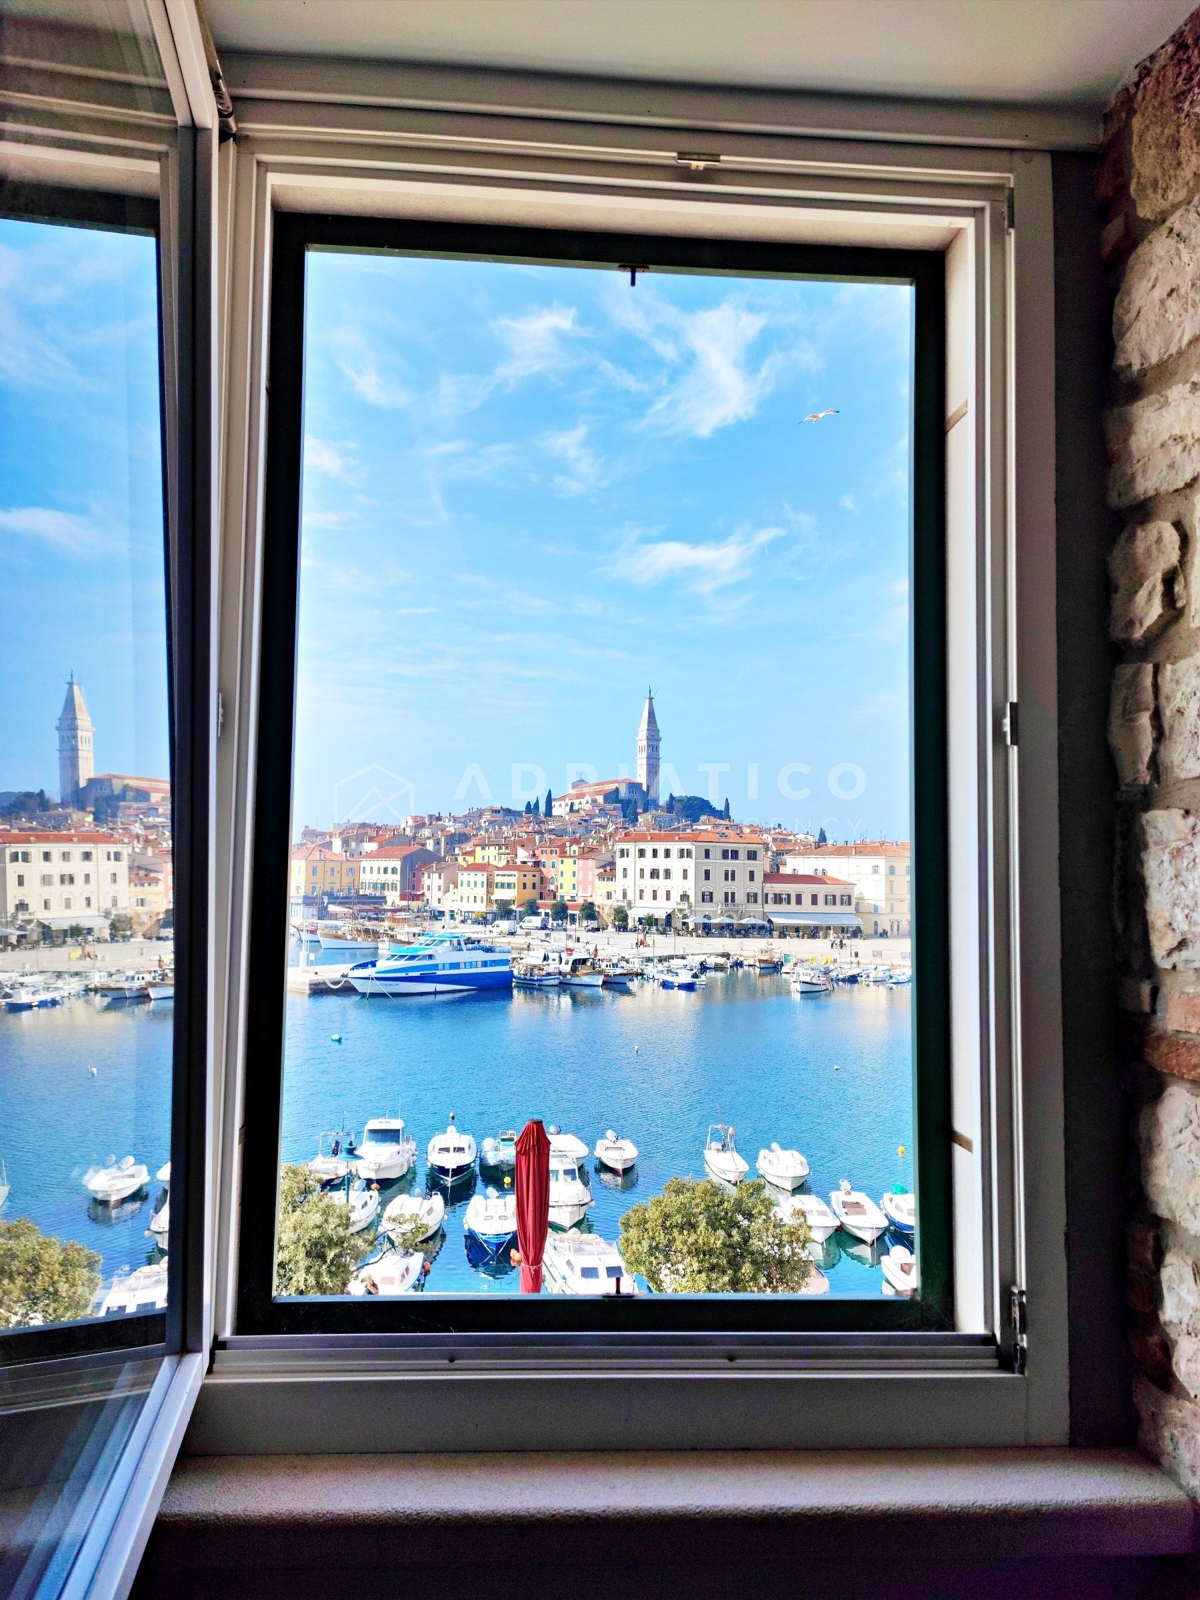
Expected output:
(531, 492)
(81, 509)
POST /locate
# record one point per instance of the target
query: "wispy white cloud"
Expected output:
(848, 503)
(537, 342)
(703, 567)
(585, 470)
(358, 359)
(66, 531)
(333, 459)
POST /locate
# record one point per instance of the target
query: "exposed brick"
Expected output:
(1179, 1012)
(1177, 1054)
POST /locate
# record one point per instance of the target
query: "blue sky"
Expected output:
(81, 520)
(531, 491)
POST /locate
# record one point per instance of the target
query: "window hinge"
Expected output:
(1020, 1343)
(1010, 724)
(1010, 209)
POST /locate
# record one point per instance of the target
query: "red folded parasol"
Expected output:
(533, 1203)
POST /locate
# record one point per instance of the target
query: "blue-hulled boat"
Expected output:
(442, 963)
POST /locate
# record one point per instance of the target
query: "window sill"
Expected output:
(659, 1508)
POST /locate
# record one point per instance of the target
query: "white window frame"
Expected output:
(407, 143)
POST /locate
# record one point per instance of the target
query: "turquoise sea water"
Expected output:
(830, 1075)
(657, 1066)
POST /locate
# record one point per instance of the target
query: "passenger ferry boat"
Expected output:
(443, 963)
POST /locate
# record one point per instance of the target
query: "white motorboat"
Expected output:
(414, 1216)
(160, 1222)
(822, 1223)
(500, 1153)
(116, 1180)
(386, 1151)
(900, 1208)
(163, 992)
(142, 1290)
(329, 1165)
(721, 1156)
(618, 1155)
(857, 1213)
(900, 1275)
(451, 1155)
(566, 1144)
(581, 973)
(569, 1194)
(786, 1169)
(584, 1263)
(393, 1272)
(363, 1201)
(816, 1282)
(808, 980)
(490, 1226)
(29, 995)
(536, 975)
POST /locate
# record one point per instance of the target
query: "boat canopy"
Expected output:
(814, 919)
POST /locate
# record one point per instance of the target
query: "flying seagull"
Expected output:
(815, 416)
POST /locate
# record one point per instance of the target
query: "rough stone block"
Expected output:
(1153, 444)
(1157, 313)
(1171, 873)
(1144, 571)
(1175, 1053)
(1169, 1432)
(1165, 126)
(1179, 1013)
(1186, 1362)
(1179, 1282)
(1170, 1141)
(1179, 709)
(1131, 723)
(1144, 1247)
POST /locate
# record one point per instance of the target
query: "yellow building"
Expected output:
(518, 882)
(317, 871)
(493, 855)
(472, 894)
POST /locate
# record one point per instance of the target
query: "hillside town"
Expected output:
(611, 853)
(96, 863)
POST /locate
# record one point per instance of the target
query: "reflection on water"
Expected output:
(620, 1181)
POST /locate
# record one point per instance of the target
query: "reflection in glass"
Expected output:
(601, 785)
(86, 979)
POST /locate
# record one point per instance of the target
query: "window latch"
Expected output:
(1020, 1343)
(1009, 724)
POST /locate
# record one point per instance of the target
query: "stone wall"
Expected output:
(1149, 186)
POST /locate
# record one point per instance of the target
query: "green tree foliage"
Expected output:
(650, 923)
(620, 917)
(531, 907)
(503, 908)
(702, 1238)
(317, 1254)
(549, 811)
(692, 807)
(43, 1279)
(587, 912)
(559, 911)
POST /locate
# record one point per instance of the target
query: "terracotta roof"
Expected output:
(785, 878)
(864, 847)
(53, 837)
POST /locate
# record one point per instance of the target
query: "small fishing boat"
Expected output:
(393, 1272)
(689, 981)
(857, 1213)
(416, 1216)
(142, 1290)
(581, 973)
(536, 975)
(721, 1156)
(162, 990)
(586, 1264)
(620, 976)
(361, 1198)
(30, 995)
(451, 1155)
(900, 1275)
(336, 1161)
(822, 1223)
(499, 1154)
(490, 1226)
(566, 1144)
(124, 991)
(618, 1155)
(116, 1180)
(807, 980)
(786, 1169)
(386, 1151)
(900, 1208)
(815, 1282)
(767, 963)
(666, 983)
(570, 1196)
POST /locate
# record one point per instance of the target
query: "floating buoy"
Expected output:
(336, 1038)
(837, 1068)
(901, 1149)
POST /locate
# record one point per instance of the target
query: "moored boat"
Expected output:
(490, 1226)
(585, 1264)
(767, 962)
(900, 1208)
(393, 1272)
(808, 980)
(721, 1156)
(786, 1169)
(499, 1154)
(337, 1160)
(857, 1213)
(451, 1155)
(900, 1275)
(362, 1201)
(618, 1155)
(386, 1152)
(536, 975)
(440, 963)
(116, 1180)
(142, 1290)
(822, 1223)
(570, 1196)
(416, 1217)
(581, 973)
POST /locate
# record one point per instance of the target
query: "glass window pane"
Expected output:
(597, 571)
(86, 980)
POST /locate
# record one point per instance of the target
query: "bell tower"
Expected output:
(648, 748)
(76, 758)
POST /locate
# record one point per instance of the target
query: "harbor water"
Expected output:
(828, 1074)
